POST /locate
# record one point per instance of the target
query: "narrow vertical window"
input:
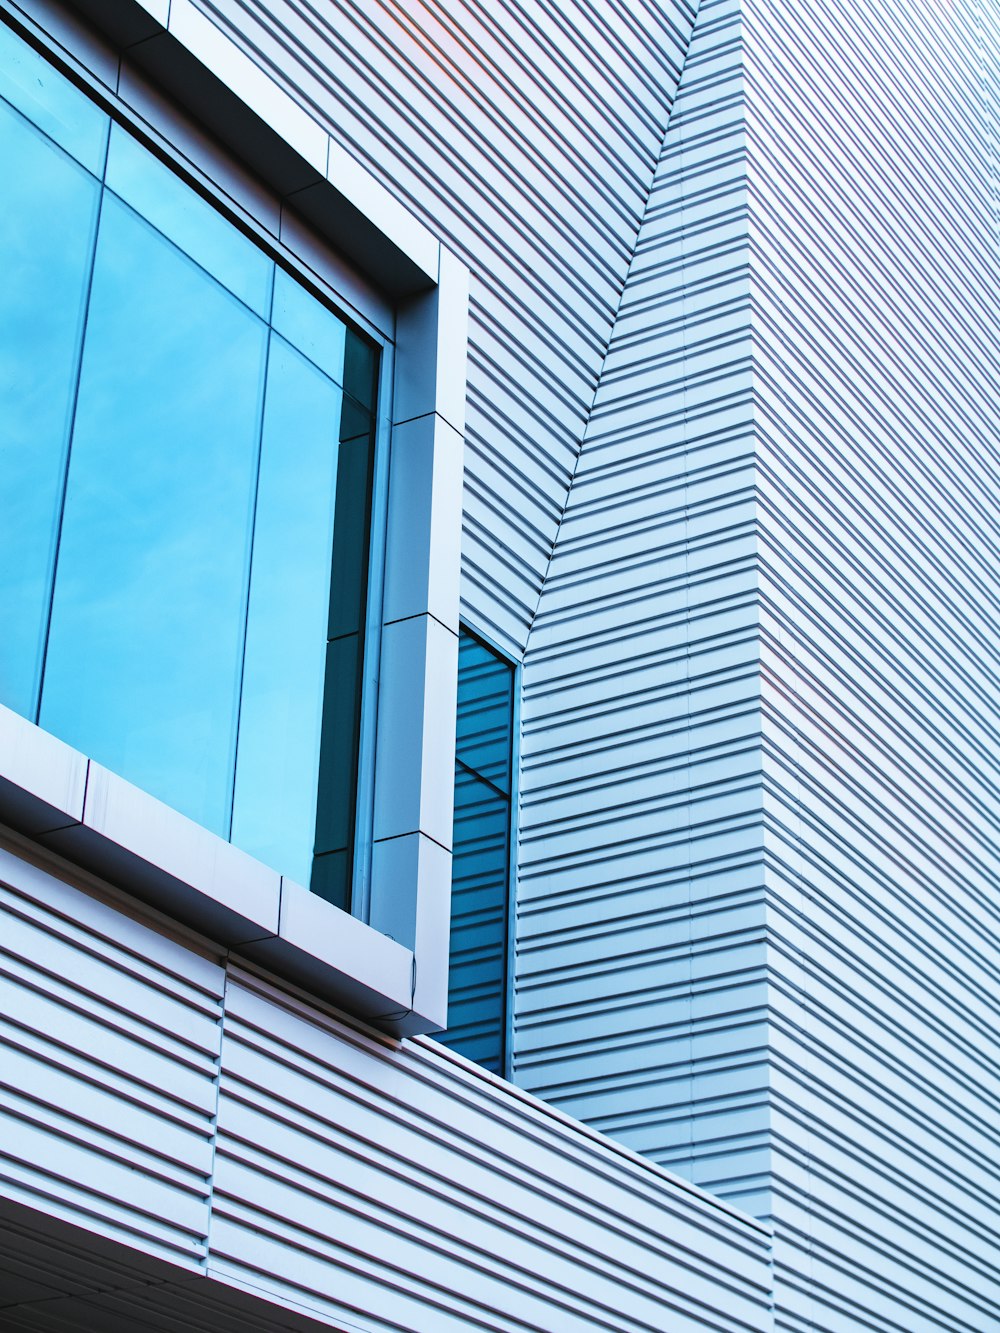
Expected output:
(477, 992)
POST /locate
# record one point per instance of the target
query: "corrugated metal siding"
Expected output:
(443, 1200)
(640, 983)
(110, 1037)
(248, 1135)
(784, 516)
(525, 136)
(876, 289)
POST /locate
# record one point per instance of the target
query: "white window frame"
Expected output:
(388, 962)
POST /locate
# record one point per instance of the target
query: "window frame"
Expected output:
(388, 960)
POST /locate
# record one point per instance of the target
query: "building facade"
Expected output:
(499, 749)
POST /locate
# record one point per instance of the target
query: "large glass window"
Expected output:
(186, 462)
(477, 982)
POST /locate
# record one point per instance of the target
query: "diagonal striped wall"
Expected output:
(761, 686)
(875, 263)
(186, 1146)
(758, 934)
(525, 136)
(641, 1000)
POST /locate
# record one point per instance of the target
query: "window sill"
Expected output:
(95, 819)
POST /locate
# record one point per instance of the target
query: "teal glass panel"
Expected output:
(337, 797)
(146, 641)
(485, 711)
(478, 950)
(183, 571)
(274, 812)
(350, 548)
(480, 887)
(49, 100)
(361, 366)
(184, 217)
(47, 226)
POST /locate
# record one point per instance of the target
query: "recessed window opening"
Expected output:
(186, 474)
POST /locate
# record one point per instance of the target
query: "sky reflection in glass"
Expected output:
(62, 112)
(274, 814)
(144, 651)
(171, 474)
(190, 222)
(47, 227)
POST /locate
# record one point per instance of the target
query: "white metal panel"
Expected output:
(111, 1036)
(876, 290)
(640, 991)
(399, 1186)
(525, 137)
(249, 1141)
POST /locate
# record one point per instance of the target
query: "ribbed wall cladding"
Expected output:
(876, 308)
(111, 1038)
(441, 1199)
(525, 136)
(640, 1001)
(732, 479)
(182, 1142)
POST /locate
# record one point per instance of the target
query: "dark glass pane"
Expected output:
(348, 586)
(47, 227)
(331, 878)
(361, 371)
(274, 813)
(485, 712)
(184, 217)
(477, 979)
(146, 642)
(335, 801)
(52, 102)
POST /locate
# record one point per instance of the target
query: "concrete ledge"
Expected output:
(105, 825)
(42, 781)
(167, 860)
(317, 942)
(197, 63)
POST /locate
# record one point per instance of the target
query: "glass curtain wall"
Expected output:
(186, 460)
(477, 986)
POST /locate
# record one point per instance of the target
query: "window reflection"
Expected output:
(477, 982)
(191, 223)
(48, 224)
(186, 463)
(143, 663)
(274, 814)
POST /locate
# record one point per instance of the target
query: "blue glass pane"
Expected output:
(174, 208)
(307, 323)
(136, 470)
(147, 626)
(46, 241)
(477, 980)
(485, 711)
(51, 102)
(477, 977)
(274, 813)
